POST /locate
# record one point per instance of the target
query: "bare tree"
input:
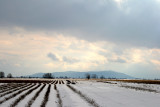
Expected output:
(48, 75)
(2, 75)
(102, 77)
(87, 75)
(9, 75)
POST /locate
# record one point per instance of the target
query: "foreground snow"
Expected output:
(111, 95)
(104, 94)
(71, 99)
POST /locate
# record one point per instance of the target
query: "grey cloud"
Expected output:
(109, 56)
(119, 60)
(53, 57)
(70, 60)
(64, 58)
(136, 23)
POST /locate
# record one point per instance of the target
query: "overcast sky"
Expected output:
(80, 35)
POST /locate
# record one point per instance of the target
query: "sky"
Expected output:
(80, 35)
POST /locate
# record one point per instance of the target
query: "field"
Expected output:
(79, 93)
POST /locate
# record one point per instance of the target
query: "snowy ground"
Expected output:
(104, 94)
(71, 99)
(139, 86)
(112, 95)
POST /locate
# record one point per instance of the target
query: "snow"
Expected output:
(105, 94)
(18, 89)
(52, 98)
(10, 101)
(114, 96)
(2, 83)
(71, 99)
(141, 85)
(28, 97)
(12, 89)
(40, 98)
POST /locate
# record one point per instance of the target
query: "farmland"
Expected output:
(78, 93)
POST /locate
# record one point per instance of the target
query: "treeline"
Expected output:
(93, 76)
(51, 76)
(2, 75)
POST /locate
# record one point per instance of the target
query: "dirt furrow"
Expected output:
(35, 96)
(15, 94)
(87, 99)
(11, 91)
(23, 96)
(45, 100)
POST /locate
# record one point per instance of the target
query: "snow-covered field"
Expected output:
(56, 93)
(113, 95)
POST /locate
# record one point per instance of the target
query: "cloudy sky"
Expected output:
(80, 35)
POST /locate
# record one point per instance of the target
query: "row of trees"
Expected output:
(87, 76)
(49, 75)
(2, 75)
(93, 76)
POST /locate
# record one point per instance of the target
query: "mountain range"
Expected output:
(75, 74)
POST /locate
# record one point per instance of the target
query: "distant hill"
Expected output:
(75, 74)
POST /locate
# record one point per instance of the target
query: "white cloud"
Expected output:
(27, 51)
